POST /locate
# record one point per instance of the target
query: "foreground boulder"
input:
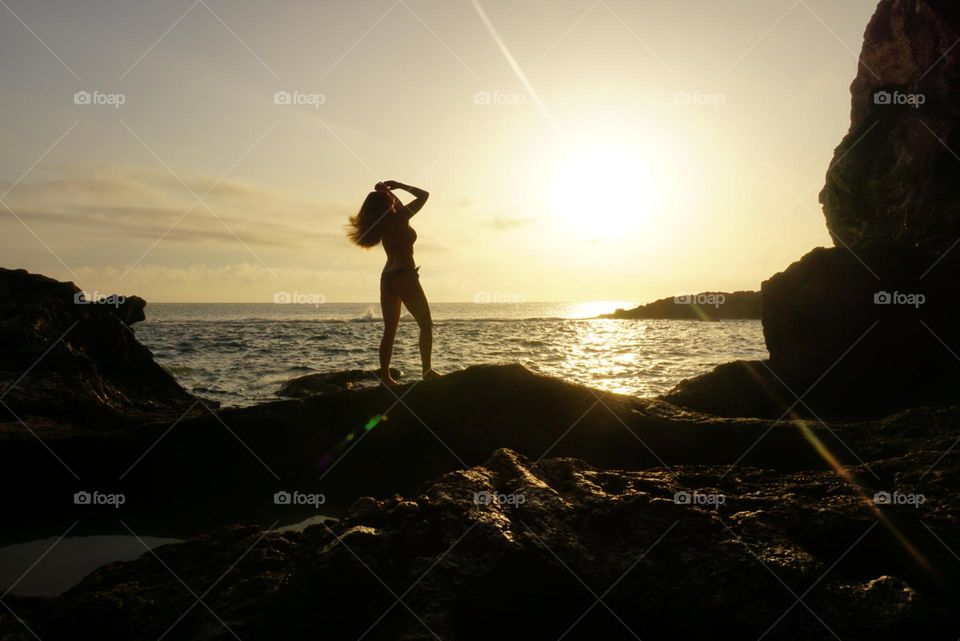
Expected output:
(326, 382)
(740, 388)
(228, 464)
(74, 361)
(540, 550)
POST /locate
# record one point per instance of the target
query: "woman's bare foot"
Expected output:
(431, 373)
(387, 379)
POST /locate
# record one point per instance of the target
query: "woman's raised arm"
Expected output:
(420, 195)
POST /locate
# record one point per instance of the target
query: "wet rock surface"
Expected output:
(556, 546)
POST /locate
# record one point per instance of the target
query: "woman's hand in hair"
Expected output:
(420, 196)
(416, 191)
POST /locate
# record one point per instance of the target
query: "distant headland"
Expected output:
(708, 306)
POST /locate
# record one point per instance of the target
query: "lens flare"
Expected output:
(328, 458)
(844, 473)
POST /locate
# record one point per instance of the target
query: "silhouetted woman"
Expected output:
(384, 219)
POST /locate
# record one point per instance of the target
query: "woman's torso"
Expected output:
(398, 240)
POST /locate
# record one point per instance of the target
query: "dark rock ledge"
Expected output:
(533, 568)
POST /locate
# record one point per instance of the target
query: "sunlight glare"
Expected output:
(610, 189)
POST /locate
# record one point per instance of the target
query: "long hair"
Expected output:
(366, 226)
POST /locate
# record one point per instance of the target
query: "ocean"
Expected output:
(240, 354)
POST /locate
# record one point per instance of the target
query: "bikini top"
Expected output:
(399, 239)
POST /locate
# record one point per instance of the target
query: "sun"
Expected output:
(605, 190)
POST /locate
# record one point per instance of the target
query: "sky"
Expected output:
(575, 150)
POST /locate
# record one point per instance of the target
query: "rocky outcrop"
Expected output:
(74, 361)
(852, 335)
(893, 178)
(708, 306)
(870, 326)
(740, 388)
(879, 327)
(549, 548)
(227, 465)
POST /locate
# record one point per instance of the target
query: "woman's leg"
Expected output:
(407, 285)
(390, 308)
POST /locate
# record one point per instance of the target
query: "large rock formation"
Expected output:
(849, 335)
(870, 325)
(893, 179)
(877, 315)
(550, 548)
(76, 362)
(868, 332)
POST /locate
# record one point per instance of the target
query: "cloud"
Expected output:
(176, 225)
(133, 230)
(504, 223)
(112, 203)
(241, 282)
